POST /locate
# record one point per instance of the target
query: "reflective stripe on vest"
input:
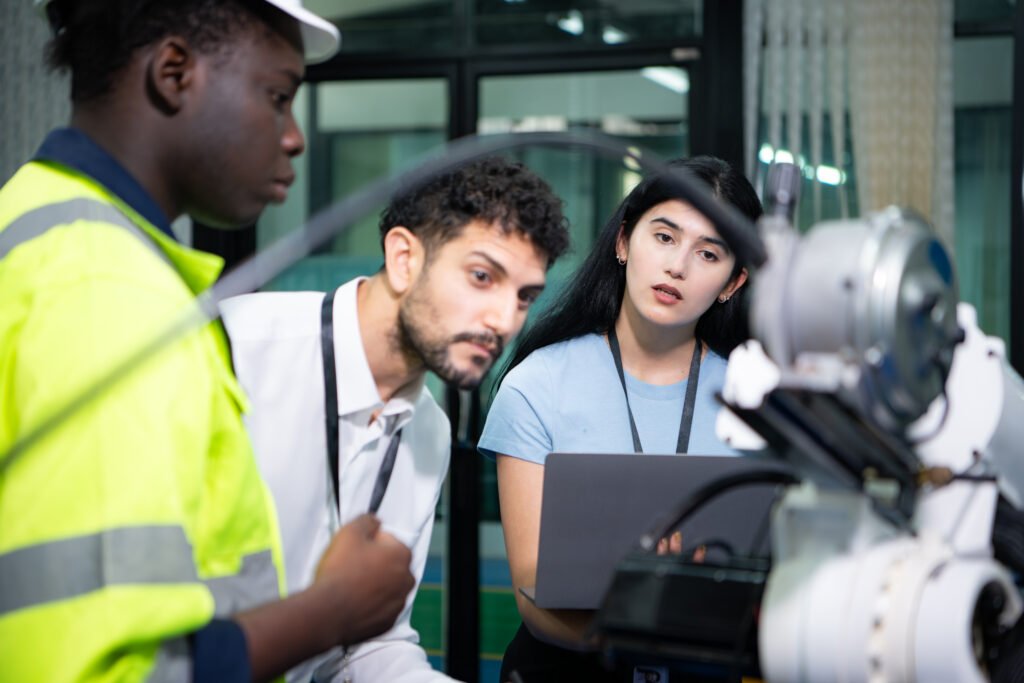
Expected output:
(173, 662)
(255, 584)
(69, 567)
(30, 225)
(65, 568)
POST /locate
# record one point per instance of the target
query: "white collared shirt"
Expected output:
(275, 344)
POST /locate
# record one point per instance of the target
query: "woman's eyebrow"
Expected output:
(716, 241)
(704, 238)
(670, 223)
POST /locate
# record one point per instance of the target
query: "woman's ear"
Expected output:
(622, 245)
(404, 257)
(733, 286)
(171, 72)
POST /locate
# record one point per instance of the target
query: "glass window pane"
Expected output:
(362, 131)
(829, 188)
(390, 25)
(982, 142)
(983, 10)
(826, 188)
(646, 108)
(601, 22)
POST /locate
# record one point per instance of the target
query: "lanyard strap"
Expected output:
(380, 487)
(332, 418)
(683, 442)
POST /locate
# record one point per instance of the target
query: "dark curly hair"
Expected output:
(95, 39)
(494, 190)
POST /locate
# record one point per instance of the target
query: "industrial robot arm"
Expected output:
(905, 422)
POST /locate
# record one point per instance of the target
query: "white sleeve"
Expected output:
(400, 661)
(396, 656)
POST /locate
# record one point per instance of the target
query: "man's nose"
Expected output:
(504, 318)
(292, 141)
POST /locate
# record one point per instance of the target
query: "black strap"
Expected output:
(330, 392)
(332, 418)
(380, 487)
(683, 442)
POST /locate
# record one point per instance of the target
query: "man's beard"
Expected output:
(415, 342)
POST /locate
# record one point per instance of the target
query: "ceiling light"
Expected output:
(613, 36)
(671, 77)
(572, 22)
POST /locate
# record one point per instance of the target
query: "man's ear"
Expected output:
(171, 72)
(404, 258)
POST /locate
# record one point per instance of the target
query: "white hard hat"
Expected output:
(320, 38)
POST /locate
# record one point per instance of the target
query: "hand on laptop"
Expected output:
(673, 545)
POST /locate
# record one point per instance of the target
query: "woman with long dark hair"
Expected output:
(653, 307)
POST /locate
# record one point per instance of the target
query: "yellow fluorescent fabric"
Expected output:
(165, 451)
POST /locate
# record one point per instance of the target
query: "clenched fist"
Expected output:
(366, 570)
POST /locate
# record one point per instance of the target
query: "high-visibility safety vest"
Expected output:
(143, 515)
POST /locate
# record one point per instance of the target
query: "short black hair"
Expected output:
(494, 190)
(95, 39)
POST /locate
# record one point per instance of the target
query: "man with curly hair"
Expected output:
(341, 415)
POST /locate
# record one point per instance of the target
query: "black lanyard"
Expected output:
(332, 418)
(683, 443)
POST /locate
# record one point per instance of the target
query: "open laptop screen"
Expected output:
(596, 506)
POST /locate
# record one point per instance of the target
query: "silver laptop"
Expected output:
(597, 505)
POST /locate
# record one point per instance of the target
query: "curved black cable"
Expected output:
(696, 500)
(1008, 536)
(334, 220)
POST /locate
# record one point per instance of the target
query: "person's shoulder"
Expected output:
(38, 184)
(20, 192)
(263, 315)
(570, 351)
(712, 371)
(558, 360)
(268, 301)
(715, 362)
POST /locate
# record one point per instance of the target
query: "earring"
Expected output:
(621, 260)
(722, 299)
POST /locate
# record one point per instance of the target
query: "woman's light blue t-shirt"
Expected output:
(567, 398)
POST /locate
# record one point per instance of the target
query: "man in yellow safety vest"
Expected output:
(137, 540)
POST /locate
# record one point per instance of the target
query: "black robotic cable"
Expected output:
(694, 502)
(702, 496)
(768, 474)
(337, 218)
